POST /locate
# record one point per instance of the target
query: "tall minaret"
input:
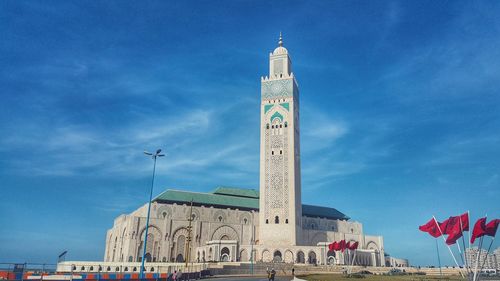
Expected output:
(280, 200)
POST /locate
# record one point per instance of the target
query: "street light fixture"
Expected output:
(153, 156)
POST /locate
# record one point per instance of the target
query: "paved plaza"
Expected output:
(277, 278)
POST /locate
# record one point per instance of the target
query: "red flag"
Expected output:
(354, 246)
(451, 225)
(464, 219)
(454, 227)
(453, 235)
(332, 246)
(491, 227)
(336, 246)
(431, 227)
(348, 245)
(342, 245)
(456, 231)
(479, 229)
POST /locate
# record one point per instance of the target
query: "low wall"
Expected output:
(126, 267)
(232, 268)
(301, 269)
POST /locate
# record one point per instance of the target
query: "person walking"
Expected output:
(293, 271)
(174, 277)
(273, 273)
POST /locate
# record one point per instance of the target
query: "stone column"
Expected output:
(323, 256)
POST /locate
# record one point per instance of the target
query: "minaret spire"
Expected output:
(280, 206)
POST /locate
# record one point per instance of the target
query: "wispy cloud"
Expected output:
(72, 147)
(458, 65)
(320, 131)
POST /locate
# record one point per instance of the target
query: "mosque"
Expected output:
(233, 224)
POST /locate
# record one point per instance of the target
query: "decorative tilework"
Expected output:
(282, 88)
(277, 115)
(285, 106)
(267, 107)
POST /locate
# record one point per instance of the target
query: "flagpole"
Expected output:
(460, 253)
(478, 257)
(470, 265)
(465, 256)
(452, 255)
(353, 259)
(487, 252)
(348, 261)
(479, 251)
(463, 241)
(439, 259)
(468, 214)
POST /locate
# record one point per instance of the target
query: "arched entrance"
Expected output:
(277, 256)
(180, 246)
(331, 257)
(152, 249)
(244, 255)
(266, 256)
(179, 258)
(224, 254)
(300, 257)
(288, 256)
(331, 260)
(311, 257)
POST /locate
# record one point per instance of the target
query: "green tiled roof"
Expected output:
(208, 199)
(322, 212)
(234, 191)
(231, 197)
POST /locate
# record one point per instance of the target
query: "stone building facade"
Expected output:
(225, 227)
(234, 224)
(486, 260)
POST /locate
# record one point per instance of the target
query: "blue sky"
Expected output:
(399, 112)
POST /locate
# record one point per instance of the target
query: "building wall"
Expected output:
(214, 229)
(488, 261)
(395, 262)
(168, 231)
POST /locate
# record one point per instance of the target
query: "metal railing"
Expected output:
(48, 268)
